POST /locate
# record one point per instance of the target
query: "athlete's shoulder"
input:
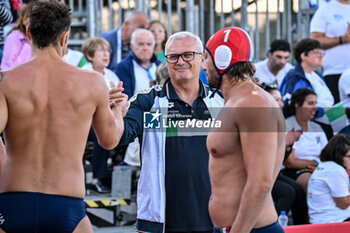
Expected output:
(251, 95)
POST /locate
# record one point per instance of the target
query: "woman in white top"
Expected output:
(97, 52)
(304, 155)
(328, 190)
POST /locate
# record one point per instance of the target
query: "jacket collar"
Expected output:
(171, 93)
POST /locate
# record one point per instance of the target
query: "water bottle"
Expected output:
(283, 219)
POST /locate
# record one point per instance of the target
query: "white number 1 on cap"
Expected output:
(227, 32)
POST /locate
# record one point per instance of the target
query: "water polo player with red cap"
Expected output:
(227, 47)
(247, 152)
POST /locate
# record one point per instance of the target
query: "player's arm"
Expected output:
(342, 202)
(259, 142)
(134, 118)
(107, 121)
(339, 189)
(329, 42)
(326, 42)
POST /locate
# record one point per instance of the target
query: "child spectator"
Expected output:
(160, 36)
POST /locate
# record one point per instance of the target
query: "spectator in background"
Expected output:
(346, 129)
(288, 194)
(138, 72)
(331, 26)
(303, 158)
(318, 3)
(308, 53)
(160, 36)
(97, 52)
(328, 189)
(119, 39)
(162, 73)
(132, 155)
(5, 18)
(139, 67)
(74, 57)
(273, 69)
(17, 49)
(344, 88)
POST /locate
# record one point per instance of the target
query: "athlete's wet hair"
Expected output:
(48, 19)
(243, 70)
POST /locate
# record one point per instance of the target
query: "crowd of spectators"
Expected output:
(319, 79)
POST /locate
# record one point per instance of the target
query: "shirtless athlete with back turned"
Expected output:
(247, 152)
(47, 108)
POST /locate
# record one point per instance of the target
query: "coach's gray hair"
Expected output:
(141, 31)
(183, 35)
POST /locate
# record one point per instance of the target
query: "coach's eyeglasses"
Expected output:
(186, 56)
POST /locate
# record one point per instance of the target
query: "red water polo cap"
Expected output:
(228, 46)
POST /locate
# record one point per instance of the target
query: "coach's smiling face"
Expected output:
(188, 65)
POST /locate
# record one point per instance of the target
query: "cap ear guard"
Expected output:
(228, 46)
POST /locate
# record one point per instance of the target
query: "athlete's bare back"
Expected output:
(47, 108)
(245, 157)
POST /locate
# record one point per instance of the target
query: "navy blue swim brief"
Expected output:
(39, 213)
(272, 228)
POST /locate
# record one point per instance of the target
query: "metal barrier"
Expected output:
(265, 20)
